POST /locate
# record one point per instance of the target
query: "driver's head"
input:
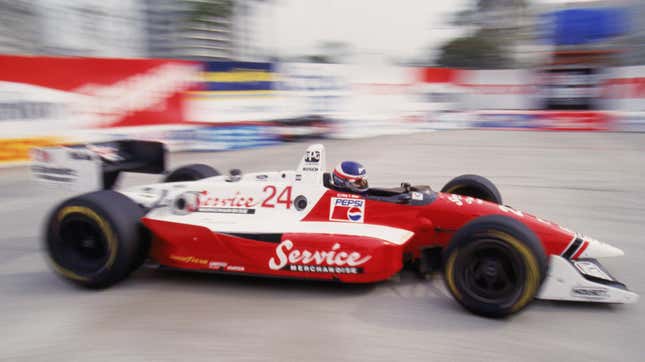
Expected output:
(350, 175)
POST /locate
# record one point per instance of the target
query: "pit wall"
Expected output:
(230, 105)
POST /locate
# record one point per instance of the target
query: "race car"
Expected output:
(297, 224)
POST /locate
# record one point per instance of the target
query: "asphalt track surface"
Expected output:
(589, 182)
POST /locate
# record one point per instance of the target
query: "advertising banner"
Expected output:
(237, 92)
(313, 89)
(56, 98)
(506, 120)
(221, 138)
(574, 120)
(510, 89)
(624, 89)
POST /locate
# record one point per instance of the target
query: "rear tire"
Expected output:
(494, 266)
(474, 186)
(192, 172)
(95, 240)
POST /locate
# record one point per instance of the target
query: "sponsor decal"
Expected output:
(460, 201)
(417, 196)
(226, 210)
(236, 204)
(590, 293)
(207, 200)
(312, 157)
(590, 268)
(79, 155)
(348, 196)
(312, 161)
(189, 259)
(335, 260)
(60, 174)
(261, 177)
(217, 265)
(223, 266)
(347, 210)
(235, 268)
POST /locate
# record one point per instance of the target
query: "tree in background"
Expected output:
(499, 26)
(475, 51)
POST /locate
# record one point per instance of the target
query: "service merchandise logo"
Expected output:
(335, 260)
(347, 210)
(236, 204)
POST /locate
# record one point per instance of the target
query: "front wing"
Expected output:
(583, 280)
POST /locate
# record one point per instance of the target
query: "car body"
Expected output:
(296, 224)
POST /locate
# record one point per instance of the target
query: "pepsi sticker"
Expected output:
(347, 210)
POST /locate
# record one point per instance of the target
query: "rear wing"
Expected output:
(96, 166)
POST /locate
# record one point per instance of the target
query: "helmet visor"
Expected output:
(359, 183)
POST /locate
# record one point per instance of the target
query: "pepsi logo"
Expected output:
(347, 210)
(354, 214)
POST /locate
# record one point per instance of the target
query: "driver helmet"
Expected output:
(350, 175)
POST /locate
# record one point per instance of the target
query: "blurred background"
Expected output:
(224, 74)
(416, 90)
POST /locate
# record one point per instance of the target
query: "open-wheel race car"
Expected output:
(299, 224)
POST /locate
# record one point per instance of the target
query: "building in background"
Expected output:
(19, 24)
(585, 42)
(634, 41)
(183, 29)
(107, 28)
(177, 29)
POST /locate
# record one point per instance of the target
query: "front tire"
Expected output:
(474, 186)
(494, 266)
(95, 240)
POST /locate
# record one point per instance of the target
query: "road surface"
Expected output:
(589, 182)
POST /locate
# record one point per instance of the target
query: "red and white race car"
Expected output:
(296, 224)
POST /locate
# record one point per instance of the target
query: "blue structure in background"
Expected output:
(584, 25)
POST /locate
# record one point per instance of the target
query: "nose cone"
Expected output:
(598, 249)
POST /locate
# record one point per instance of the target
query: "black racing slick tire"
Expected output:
(95, 240)
(494, 266)
(475, 186)
(192, 172)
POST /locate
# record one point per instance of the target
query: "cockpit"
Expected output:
(404, 194)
